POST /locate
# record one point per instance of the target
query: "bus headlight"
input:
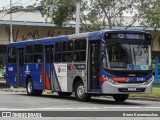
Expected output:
(112, 81)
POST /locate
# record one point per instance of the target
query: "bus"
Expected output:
(107, 62)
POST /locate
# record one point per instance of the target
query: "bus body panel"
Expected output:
(66, 74)
(11, 76)
(34, 72)
(108, 88)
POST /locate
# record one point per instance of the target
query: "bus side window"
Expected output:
(29, 54)
(58, 51)
(38, 53)
(12, 55)
(79, 50)
(67, 55)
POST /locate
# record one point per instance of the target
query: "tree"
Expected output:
(14, 9)
(150, 10)
(151, 13)
(95, 14)
(30, 8)
(61, 11)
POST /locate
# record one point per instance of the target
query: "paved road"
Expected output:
(22, 102)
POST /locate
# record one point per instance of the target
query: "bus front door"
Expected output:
(20, 67)
(48, 66)
(94, 70)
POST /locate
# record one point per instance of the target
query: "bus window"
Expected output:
(58, 47)
(29, 54)
(67, 55)
(49, 54)
(58, 51)
(68, 46)
(38, 53)
(79, 50)
(80, 45)
(12, 55)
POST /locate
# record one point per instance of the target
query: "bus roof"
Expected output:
(94, 35)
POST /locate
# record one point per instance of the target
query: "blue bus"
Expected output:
(106, 62)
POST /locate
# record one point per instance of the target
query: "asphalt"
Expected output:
(7, 88)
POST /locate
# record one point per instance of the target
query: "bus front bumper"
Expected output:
(126, 88)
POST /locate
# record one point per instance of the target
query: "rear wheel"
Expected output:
(80, 92)
(63, 94)
(30, 89)
(120, 97)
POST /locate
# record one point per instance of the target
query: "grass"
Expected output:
(155, 93)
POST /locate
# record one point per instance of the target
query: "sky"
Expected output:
(6, 3)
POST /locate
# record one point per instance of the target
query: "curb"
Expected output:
(145, 98)
(23, 90)
(13, 90)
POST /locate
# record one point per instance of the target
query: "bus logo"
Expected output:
(10, 68)
(129, 67)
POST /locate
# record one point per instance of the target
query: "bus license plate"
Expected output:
(131, 89)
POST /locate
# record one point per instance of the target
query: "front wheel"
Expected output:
(80, 92)
(30, 89)
(120, 97)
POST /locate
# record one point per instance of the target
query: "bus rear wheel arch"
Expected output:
(30, 88)
(80, 92)
(120, 97)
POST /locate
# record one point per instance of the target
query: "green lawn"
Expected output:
(155, 93)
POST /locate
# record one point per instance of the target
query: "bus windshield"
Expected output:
(128, 56)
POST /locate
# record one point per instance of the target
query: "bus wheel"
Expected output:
(80, 92)
(120, 97)
(63, 94)
(30, 90)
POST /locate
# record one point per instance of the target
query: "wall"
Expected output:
(21, 33)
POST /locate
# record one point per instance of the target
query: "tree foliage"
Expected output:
(61, 11)
(102, 13)
(97, 14)
(151, 13)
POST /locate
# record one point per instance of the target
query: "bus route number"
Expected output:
(128, 36)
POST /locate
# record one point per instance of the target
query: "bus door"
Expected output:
(48, 66)
(94, 64)
(20, 67)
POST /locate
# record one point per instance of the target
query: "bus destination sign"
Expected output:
(127, 36)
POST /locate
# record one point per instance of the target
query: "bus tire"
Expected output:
(80, 92)
(64, 94)
(120, 97)
(30, 89)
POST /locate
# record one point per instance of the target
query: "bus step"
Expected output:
(48, 91)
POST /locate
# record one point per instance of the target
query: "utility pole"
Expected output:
(11, 32)
(77, 16)
(11, 36)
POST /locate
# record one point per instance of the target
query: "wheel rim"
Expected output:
(80, 90)
(29, 87)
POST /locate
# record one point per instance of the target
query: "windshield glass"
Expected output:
(128, 56)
